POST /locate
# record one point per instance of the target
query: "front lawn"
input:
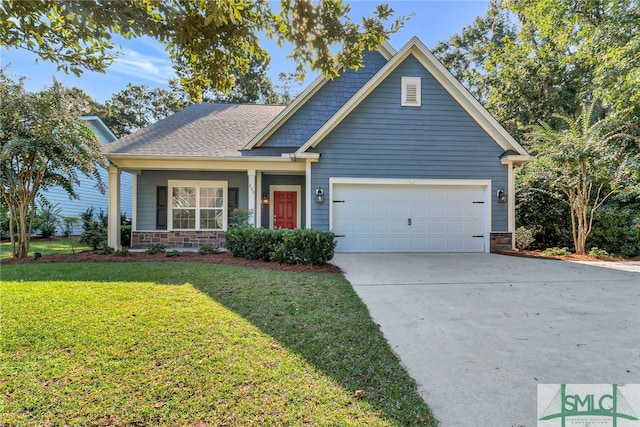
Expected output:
(194, 344)
(47, 246)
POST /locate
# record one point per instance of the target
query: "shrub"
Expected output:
(122, 252)
(173, 253)
(156, 248)
(524, 237)
(599, 253)
(283, 246)
(125, 235)
(94, 228)
(239, 217)
(207, 249)
(555, 251)
(105, 250)
(616, 228)
(69, 222)
(47, 219)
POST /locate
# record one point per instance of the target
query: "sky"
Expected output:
(144, 61)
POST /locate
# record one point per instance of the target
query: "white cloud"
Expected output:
(144, 66)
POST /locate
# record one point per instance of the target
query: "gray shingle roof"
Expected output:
(199, 130)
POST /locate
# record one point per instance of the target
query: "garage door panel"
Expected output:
(375, 218)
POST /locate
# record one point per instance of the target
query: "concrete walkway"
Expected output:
(478, 332)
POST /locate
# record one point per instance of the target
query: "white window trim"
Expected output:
(198, 185)
(297, 189)
(406, 81)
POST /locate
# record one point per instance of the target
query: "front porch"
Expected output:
(164, 214)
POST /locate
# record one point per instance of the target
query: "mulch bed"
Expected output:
(572, 257)
(224, 258)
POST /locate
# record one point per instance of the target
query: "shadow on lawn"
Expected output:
(322, 319)
(317, 316)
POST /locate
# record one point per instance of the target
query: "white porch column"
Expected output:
(511, 199)
(134, 203)
(258, 213)
(308, 195)
(113, 208)
(251, 175)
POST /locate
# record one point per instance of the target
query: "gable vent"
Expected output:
(411, 92)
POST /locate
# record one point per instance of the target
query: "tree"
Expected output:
(215, 38)
(580, 166)
(137, 106)
(600, 35)
(520, 77)
(43, 143)
(251, 87)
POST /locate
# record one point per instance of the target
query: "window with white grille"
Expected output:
(198, 205)
(411, 92)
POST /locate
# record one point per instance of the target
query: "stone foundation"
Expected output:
(177, 239)
(500, 242)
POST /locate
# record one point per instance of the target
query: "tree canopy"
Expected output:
(213, 39)
(527, 60)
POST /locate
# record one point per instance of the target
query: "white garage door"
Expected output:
(409, 218)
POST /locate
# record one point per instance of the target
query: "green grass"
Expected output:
(194, 344)
(46, 247)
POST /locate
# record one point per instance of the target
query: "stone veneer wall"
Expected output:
(500, 242)
(177, 239)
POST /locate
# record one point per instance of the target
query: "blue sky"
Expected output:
(144, 61)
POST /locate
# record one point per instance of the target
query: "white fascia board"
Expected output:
(100, 124)
(386, 50)
(208, 164)
(516, 159)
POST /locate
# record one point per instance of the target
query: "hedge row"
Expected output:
(284, 246)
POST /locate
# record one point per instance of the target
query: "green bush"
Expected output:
(283, 246)
(172, 254)
(599, 253)
(125, 235)
(156, 248)
(122, 252)
(524, 237)
(555, 251)
(47, 219)
(616, 228)
(105, 250)
(94, 228)
(207, 249)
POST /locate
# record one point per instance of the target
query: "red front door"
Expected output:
(285, 207)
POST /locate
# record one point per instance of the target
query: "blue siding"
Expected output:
(149, 180)
(88, 194)
(317, 110)
(382, 139)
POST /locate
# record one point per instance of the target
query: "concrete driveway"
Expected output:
(478, 332)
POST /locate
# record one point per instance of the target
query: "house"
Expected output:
(88, 194)
(394, 157)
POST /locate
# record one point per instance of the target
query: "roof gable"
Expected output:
(321, 111)
(417, 49)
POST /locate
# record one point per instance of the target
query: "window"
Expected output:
(411, 92)
(198, 205)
